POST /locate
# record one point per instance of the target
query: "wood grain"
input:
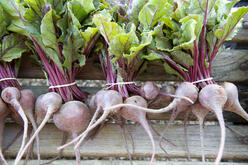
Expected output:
(109, 142)
(225, 68)
(242, 35)
(125, 162)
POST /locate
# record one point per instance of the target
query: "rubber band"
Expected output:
(61, 86)
(119, 83)
(206, 79)
(7, 78)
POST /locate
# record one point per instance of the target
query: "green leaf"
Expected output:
(158, 30)
(88, 5)
(13, 53)
(145, 41)
(63, 26)
(71, 47)
(136, 49)
(163, 43)
(36, 6)
(233, 19)
(79, 9)
(154, 11)
(49, 38)
(17, 26)
(68, 52)
(3, 23)
(82, 60)
(53, 56)
(77, 38)
(153, 56)
(57, 5)
(210, 40)
(168, 69)
(7, 6)
(179, 11)
(121, 43)
(189, 32)
(133, 12)
(199, 23)
(88, 34)
(223, 9)
(108, 29)
(12, 47)
(182, 58)
(74, 19)
(48, 32)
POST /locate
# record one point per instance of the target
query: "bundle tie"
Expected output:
(63, 85)
(202, 80)
(7, 78)
(119, 83)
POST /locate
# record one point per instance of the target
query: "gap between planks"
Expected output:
(125, 162)
(109, 142)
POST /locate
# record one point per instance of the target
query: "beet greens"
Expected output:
(62, 36)
(188, 42)
(182, 36)
(12, 48)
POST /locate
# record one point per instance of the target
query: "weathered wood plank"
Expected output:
(231, 65)
(125, 162)
(109, 142)
(230, 117)
(242, 35)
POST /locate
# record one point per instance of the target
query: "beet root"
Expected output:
(149, 90)
(164, 97)
(213, 97)
(27, 102)
(73, 118)
(138, 116)
(200, 112)
(4, 111)
(45, 106)
(12, 95)
(185, 90)
(103, 98)
(232, 104)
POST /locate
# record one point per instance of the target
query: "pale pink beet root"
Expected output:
(149, 90)
(138, 116)
(213, 97)
(15, 116)
(186, 95)
(111, 101)
(45, 106)
(164, 98)
(4, 111)
(182, 100)
(232, 104)
(103, 99)
(167, 92)
(124, 135)
(73, 118)
(27, 102)
(12, 95)
(200, 112)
